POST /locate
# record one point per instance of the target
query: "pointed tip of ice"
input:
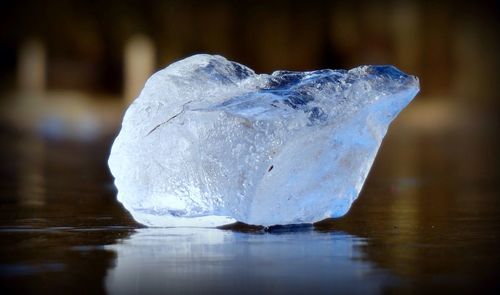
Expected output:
(390, 72)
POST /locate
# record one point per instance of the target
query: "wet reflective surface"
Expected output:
(426, 221)
(200, 261)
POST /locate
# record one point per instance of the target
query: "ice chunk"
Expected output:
(209, 142)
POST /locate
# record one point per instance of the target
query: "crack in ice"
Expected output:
(170, 119)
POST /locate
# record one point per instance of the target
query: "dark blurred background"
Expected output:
(430, 207)
(451, 45)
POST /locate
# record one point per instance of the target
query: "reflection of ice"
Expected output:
(201, 261)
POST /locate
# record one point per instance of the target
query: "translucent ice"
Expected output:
(209, 142)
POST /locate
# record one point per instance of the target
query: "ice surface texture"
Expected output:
(209, 142)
